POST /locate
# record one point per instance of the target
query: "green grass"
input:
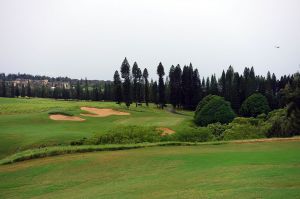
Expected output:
(25, 123)
(256, 170)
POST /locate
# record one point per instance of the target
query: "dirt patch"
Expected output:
(165, 131)
(101, 112)
(65, 118)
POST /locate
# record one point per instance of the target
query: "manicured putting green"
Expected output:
(250, 170)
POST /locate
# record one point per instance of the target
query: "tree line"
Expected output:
(184, 88)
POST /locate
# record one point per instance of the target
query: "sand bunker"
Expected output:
(101, 112)
(165, 131)
(65, 118)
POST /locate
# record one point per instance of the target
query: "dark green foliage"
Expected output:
(161, 85)
(254, 105)
(128, 135)
(117, 87)
(200, 134)
(245, 128)
(213, 109)
(146, 87)
(217, 130)
(125, 73)
(292, 98)
(154, 93)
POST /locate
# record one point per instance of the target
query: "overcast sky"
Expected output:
(90, 38)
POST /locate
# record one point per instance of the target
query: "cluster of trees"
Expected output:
(184, 88)
(80, 90)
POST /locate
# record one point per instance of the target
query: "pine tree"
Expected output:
(172, 87)
(154, 93)
(125, 73)
(135, 74)
(235, 96)
(196, 89)
(186, 79)
(178, 86)
(117, 87)
(161, 85)
(222, 83)
(146, 87)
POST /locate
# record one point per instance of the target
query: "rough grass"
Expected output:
(255, 170)
(25, 123)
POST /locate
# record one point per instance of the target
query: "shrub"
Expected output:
(217, 130)
(213, 109)
(128, 135)
(254, 105)
(245, 128)
(201, 134)
(280, 124)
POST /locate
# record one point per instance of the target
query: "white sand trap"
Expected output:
(165, 131)
(65, 118)
(101, 112)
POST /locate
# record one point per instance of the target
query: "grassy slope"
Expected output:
(256, 170)
(24, 123)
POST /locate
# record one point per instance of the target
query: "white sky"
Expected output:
(90, 38)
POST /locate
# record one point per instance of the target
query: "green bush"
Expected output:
(127, 135)
(280, 124)
(201, 134)
(245, 128)
(217, 130)
(213, 109)
(254, 105)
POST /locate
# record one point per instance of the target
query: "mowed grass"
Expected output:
(25, 123)
(251, 170)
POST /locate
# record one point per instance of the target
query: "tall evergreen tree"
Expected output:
(214, 85)
(117, 87)
(146, 87)
(172, 87)
(222, 83)
(125, 73)
(154, 93)
(196, 89)
(235, 96)
(135, 74)
(229, 80)
(161, 86)
(186, 79)
(178, 86)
